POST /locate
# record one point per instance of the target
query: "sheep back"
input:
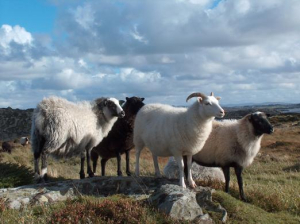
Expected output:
(65, 125)
(168, 130)
(230, 142)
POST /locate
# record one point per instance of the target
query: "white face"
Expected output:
(113, 108)
(211, 106)
(118, 107)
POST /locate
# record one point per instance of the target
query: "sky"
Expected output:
(245, 51)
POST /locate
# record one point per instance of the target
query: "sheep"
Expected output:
(173, 131)
(63, 129)
(7, 147)
(234, 143)
(120, 139)
(24, 141)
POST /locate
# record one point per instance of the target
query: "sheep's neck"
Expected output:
(105, 124)
(249, 142)
(198, 123)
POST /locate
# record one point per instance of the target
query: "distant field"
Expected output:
(272, 183)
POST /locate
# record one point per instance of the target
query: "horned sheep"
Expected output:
(172, 131)
(63, 129)
(234, 143)
(120, 139)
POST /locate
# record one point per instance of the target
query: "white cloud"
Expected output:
(244, 51)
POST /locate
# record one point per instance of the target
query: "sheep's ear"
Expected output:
(142, 98)
(250, 118)
(218, 98)
(200, 99)
(121, 102)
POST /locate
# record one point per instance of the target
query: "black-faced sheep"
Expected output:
(24, 141)
(120, 139)
(63, 129)
(173, 131)
(234, 143)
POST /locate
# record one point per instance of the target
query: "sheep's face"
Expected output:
(133, 105)
(211, 106)
(261, 124)
(112, 108)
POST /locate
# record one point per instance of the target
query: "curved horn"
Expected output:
(195, 95)
(212, 94)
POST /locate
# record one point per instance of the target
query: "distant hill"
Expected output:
(14, 123)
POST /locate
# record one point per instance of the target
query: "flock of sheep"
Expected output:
(108, 128)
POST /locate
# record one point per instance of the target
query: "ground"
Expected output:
(272, 185)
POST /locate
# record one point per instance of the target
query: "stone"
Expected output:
(15, 204)
(178, 202)
(165, 194)
(198, 172)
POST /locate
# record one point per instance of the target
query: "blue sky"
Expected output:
(244, 51)
(36, 16)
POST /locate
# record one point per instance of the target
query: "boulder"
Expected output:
(178, 202)
(198, 172)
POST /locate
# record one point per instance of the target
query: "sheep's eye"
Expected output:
(207, 104)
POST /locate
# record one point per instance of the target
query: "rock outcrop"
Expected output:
(198, 172)
(163, 193)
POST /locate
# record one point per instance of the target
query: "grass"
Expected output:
(271, 184)
(115, 209)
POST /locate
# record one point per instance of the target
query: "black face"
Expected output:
(133, 105)
(114, 109)
(261, 123)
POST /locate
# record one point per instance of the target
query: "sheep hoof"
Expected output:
(158, 175)
(120, 173)
(91, 174)
(128, 174)
(82, 175)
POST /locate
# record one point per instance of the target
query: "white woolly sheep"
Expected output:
(173, 131)
(24, 141)
(63, 129)
(234, 143)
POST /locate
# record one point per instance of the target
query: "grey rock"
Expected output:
(178, 202)
(162, 192)
(15, 204)
(198, 172)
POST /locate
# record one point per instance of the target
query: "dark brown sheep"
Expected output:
(120, 139)
(7, 147)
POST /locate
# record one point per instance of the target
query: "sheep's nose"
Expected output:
(271, 130)
(121, 114)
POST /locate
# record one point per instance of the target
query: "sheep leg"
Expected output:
(44, 175)
(36, 165)
(95, 158)
(226, 171)
(88, 163)
(156, 167)
(189, 171)
(180, 164)
(185, 167)
(127, 164)
(103, 163)
(81, 173)
(119, 172)
(238, 171)
(137, 163)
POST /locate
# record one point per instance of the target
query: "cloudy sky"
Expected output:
(246, 51)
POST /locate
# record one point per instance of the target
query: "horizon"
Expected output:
(246, 52)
